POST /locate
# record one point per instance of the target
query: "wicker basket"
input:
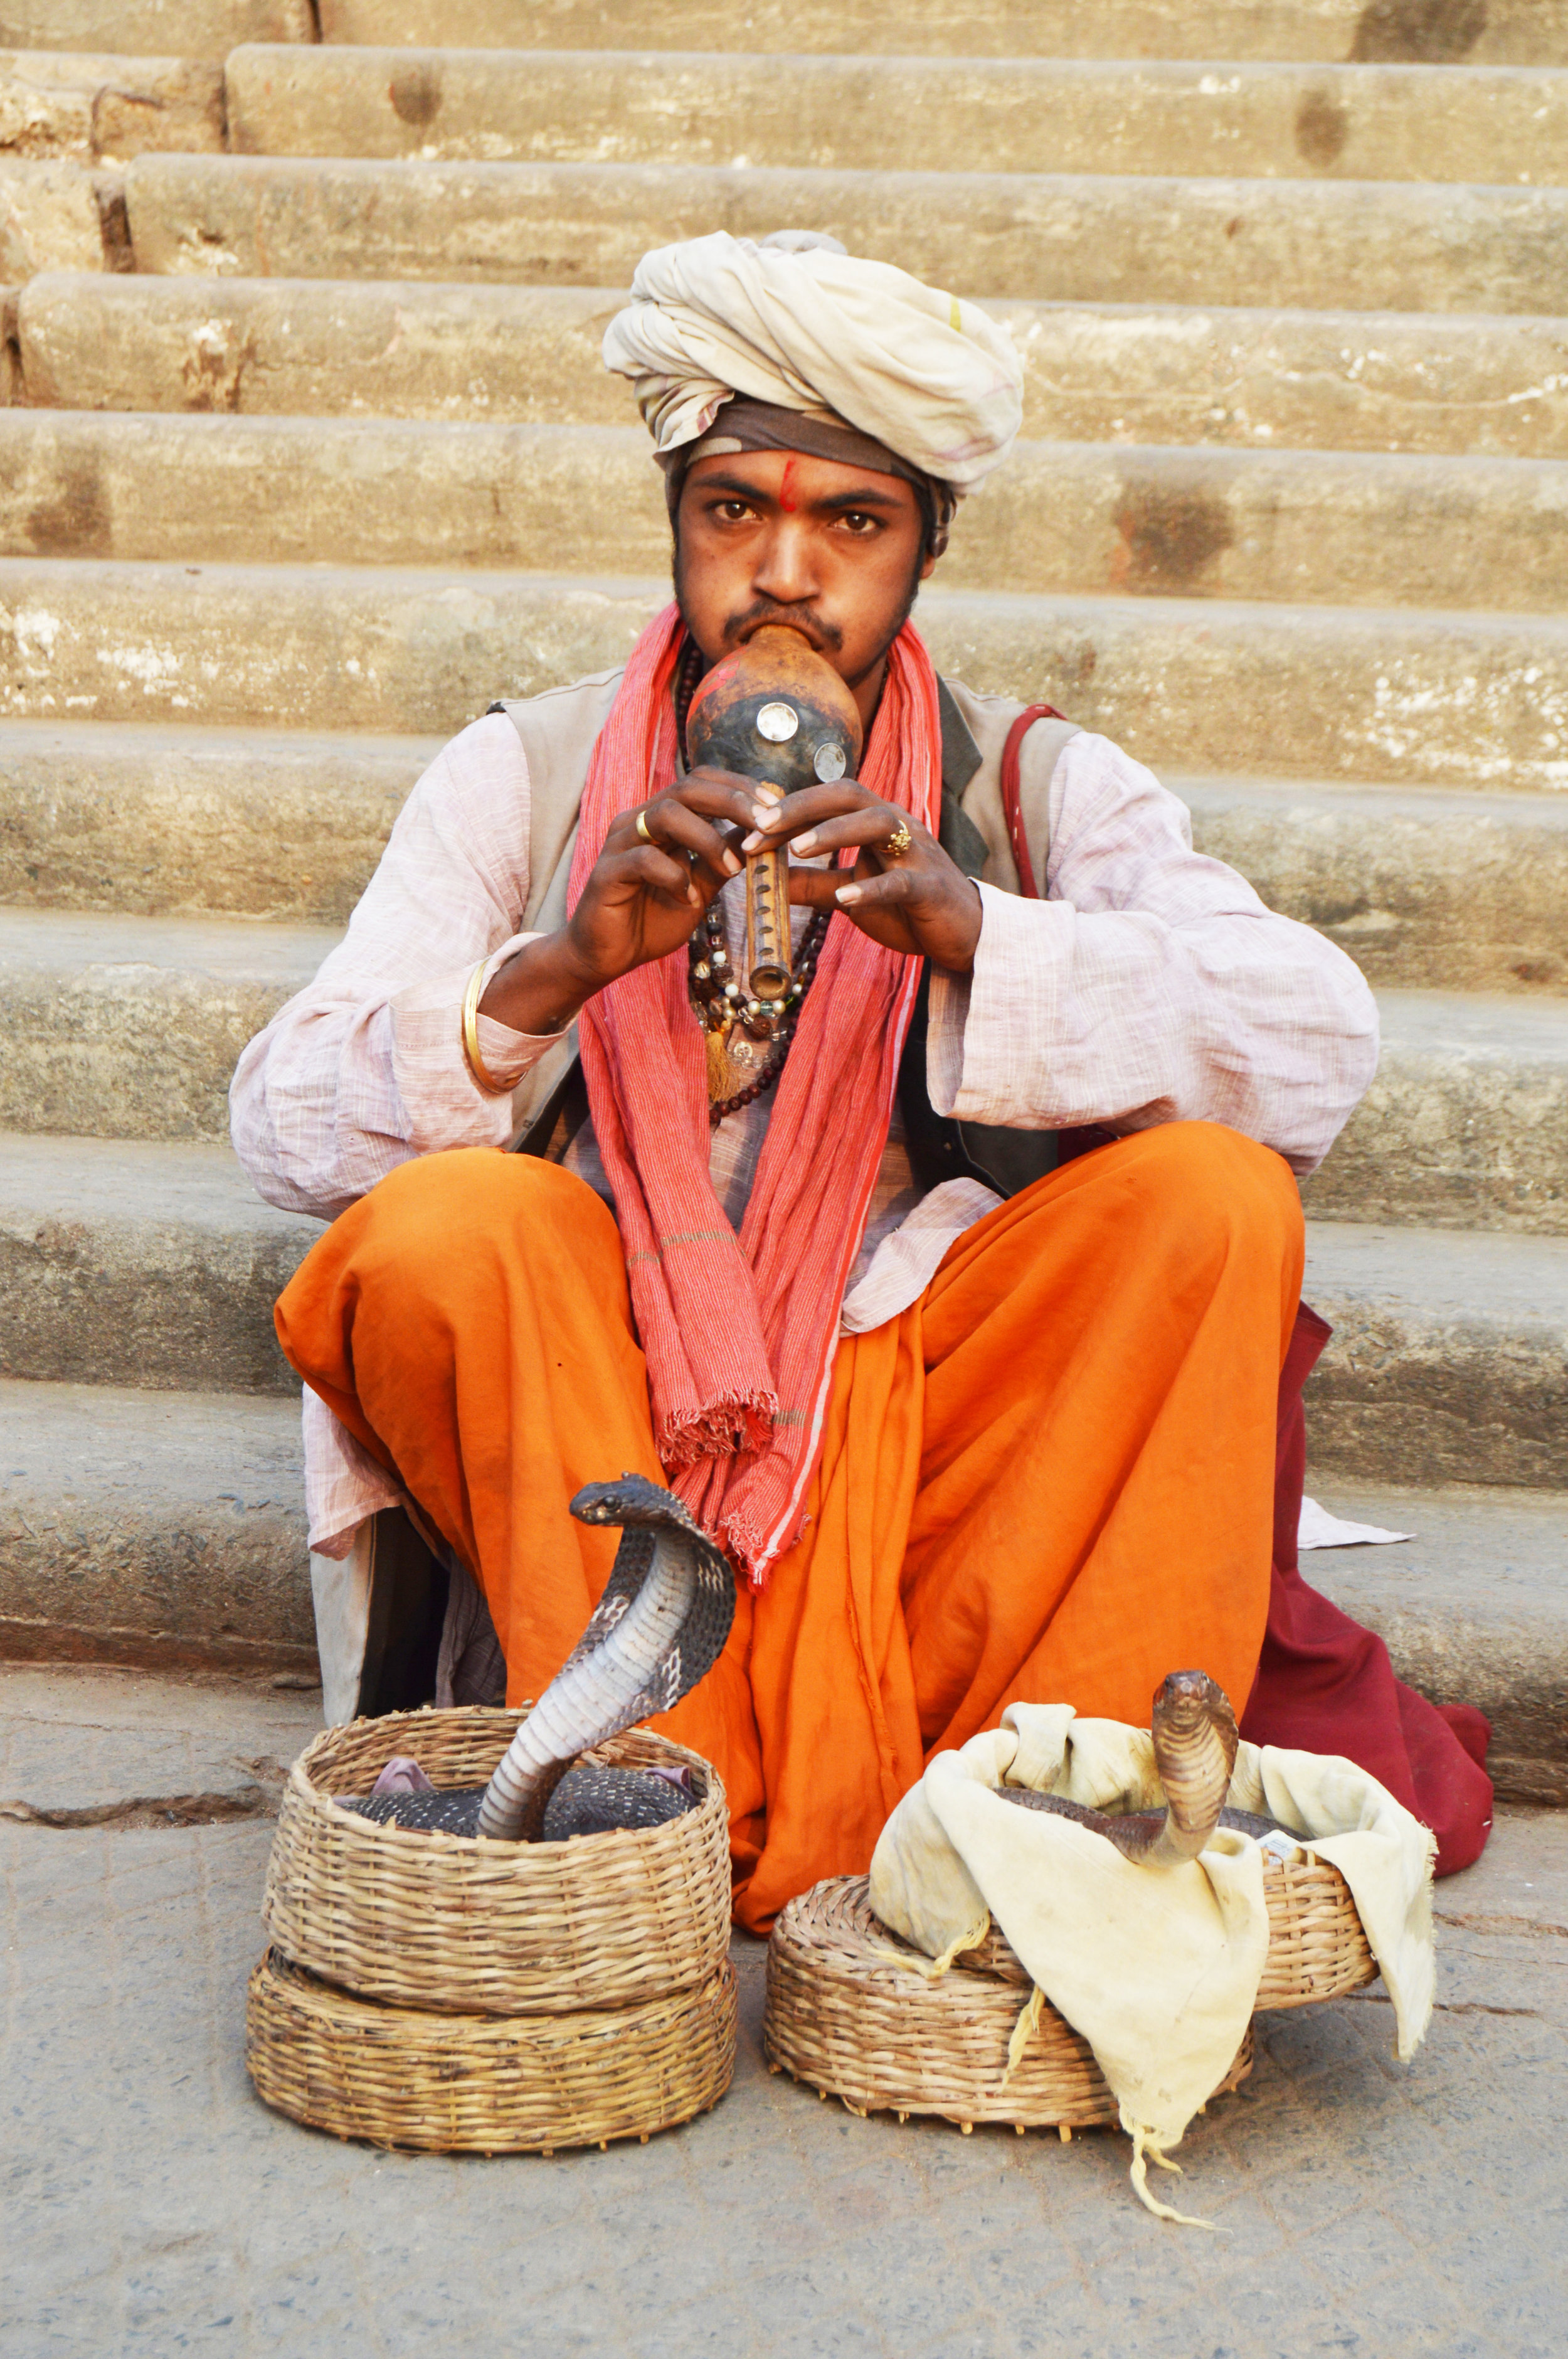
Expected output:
(882, 2036)
(502, 1928)
(1317, 1945)
(485, 2083)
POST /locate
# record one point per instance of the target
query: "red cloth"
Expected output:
(1325, 1685)
(740, 1334)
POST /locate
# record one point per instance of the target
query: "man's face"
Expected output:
(834, 552)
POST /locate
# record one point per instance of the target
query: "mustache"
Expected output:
(814, 629)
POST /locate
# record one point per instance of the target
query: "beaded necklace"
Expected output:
(740, 1033)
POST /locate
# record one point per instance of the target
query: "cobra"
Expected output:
(1194, 1735)
(660, 1625)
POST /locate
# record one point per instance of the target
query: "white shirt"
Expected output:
(1151, 985)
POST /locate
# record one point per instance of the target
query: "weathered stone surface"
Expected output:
(152, 1527)
(273, 823)
(1325, 528)
(1106, 372)
(1467, 1124)
(1194, 685)
(1449, 1362)
(1315, 244)
(133, 1264)
(1294, 379)
(157, 28)
(1411, 32)
(50, 220)
(129, 1027)
(330, 347)
(105, 108)
(1474, 1609)
(97, 1746)
(1020, 115)
(1457, 892)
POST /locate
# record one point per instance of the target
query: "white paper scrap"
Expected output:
(1319, 1529)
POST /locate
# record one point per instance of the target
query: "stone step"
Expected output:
(153, 1528)
(1311, 245)
(1512, 32)
(1424, 890)
(1489, 386)
(129, 1027)
(130, 1262)
(118, 1544)
(101, 109)
(1021, 115)
(1316, 527)
(1465, 1124)
(1473, 1609)
(1466, 700)
(1449, 1362)
(185, 29)
(1452, 892)
(257, 823)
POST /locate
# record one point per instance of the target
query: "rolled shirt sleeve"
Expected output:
(364, 1068)
(1151, 985)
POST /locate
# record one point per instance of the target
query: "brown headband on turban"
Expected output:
(744, 425)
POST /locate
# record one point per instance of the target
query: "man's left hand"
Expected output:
(916, 900)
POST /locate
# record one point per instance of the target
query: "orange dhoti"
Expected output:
(1050, 1480)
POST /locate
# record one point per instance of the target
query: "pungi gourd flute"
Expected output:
(775, 712)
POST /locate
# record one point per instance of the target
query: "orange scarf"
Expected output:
(739, 1331)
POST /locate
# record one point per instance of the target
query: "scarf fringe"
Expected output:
(727, 1427)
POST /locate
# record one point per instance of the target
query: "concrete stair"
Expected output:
(1402, 695)
(1076, 237)
(1037, 115)
(1317, 527)
(308, 453)
(1109, 373)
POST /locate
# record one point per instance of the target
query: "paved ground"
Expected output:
(148, 2204)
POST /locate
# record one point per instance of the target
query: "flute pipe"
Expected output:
(768, 942)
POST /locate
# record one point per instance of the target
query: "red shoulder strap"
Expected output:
(1012, 809)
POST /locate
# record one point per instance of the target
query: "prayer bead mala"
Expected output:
(721, 1007)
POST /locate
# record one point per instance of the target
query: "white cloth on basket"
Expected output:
(1157, 1968)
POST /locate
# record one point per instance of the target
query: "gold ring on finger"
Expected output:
(642, 827)
(899, 842)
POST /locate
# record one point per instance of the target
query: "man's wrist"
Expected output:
(540, 989)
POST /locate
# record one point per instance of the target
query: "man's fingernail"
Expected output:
(732, 865)
(847, 893)
(752, 842)
(763, 815)
(806, 842)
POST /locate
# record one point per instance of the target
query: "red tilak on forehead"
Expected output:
(785, 501)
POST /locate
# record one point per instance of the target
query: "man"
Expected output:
(971, 1428)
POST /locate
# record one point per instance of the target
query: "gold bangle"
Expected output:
(476, 1064)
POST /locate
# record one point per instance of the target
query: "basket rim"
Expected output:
(352, 1825)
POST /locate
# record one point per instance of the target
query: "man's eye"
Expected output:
(856, 520)
(733, 511)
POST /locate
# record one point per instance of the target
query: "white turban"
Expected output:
(816, 330)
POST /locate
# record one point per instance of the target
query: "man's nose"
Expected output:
(786, 570)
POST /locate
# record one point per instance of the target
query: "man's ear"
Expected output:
(927, 566)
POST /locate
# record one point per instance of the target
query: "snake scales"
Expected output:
(1194, 1735)
(660, 1624)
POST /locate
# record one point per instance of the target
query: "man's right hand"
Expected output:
(645, 896)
